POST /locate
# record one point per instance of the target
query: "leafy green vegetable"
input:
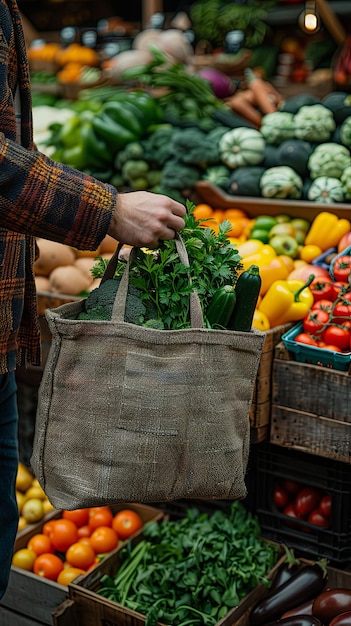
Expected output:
(163, 281)
(192, 570)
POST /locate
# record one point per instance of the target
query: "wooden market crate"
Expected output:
(206, 191)
(260, 411)
(311, 407)
(91, 609)
(38, 598)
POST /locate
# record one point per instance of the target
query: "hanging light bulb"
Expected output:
(309, 20)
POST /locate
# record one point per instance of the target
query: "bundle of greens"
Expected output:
(161, 282)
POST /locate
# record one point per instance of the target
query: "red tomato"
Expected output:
(80, 517)
(342, 310)
(325, 506)
(306, 500)
(100, 516)
(337, 336)
(306, 338)
(321, 289)
(339, 287)
(126, 522)
(315, 321)
(342, 268)
(291, 486)
(289, 511)
(80, 555)
(280, 496)
(331, 348)
(323, 305)
(64, 532)
(316, 518)
(48, 566)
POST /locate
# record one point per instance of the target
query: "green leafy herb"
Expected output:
(192, 570)
(163, 281)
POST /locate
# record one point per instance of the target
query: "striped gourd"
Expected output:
(281, 182)
(242, 146)
(326, 189)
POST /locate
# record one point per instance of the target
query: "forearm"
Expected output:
(46, 199)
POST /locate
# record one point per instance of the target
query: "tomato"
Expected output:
(280, 496)
(325, 506)
(316, 518)
(315, 321)
(332, 348)
(324, 305)
(48, 566)
(104, 539)
(289, 511)
(126, 522)
(321, 289)
(336, 336)
(339, 287)
(68, 574)
(48, 527)
(84, 531)
(63, 534)
(100, 516)
(342, 268)
(40, 543)
(291, 486)
(306, 500)
(342, 309)
(80, 517)
(24, 559)
(80, 555)
(306, 338)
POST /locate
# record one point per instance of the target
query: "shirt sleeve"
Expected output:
(43, 198)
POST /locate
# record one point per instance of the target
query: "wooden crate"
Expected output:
(95, 610)
(12, 618)
(206, 191)
(261, 402)
(311, 407)
(37, 598)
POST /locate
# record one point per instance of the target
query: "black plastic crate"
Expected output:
(333, 478)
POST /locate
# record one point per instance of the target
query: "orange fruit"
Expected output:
(202, 211)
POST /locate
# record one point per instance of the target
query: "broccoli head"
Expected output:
(100, 301)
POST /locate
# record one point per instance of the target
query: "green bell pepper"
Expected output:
(115, 134)
(123, 114)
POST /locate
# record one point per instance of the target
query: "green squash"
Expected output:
(271, 158)
(295, 153)
(245, 181)
(339, 103)
(241, 146)
(293, 104)
(329, 159)
(345, 132)
(277, 127)
(326, 189)
(281, 182)
(314, 123)
(346, 182)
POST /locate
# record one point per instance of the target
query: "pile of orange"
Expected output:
(212, 217)
(75, 542)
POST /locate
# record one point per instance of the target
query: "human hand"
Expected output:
(143, 219)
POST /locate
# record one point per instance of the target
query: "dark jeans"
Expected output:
(8, 472)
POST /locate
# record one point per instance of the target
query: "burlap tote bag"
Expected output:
(133, 414)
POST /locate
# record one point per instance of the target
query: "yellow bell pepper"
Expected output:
(287, 301)
(275, 270)
(326, 230)
(260, 321)
(263, 256)
(251, 246)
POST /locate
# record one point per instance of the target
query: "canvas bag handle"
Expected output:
(118, 311)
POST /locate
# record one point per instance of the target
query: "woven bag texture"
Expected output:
(134, 414)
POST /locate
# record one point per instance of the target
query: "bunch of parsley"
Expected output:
(164, 281)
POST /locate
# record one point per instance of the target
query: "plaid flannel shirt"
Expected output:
(38, 198)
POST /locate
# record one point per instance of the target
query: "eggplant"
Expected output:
(286, 570)
(302, 609)
(344, 619)
(306, 583)
(331, 603)
(297, 620)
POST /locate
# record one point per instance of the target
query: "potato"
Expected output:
(52, 254)
(69, 280)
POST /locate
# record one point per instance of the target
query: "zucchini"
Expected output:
(221, 307)
(247, 290)
(230, 119)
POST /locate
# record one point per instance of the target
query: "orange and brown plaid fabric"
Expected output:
(38, 198)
